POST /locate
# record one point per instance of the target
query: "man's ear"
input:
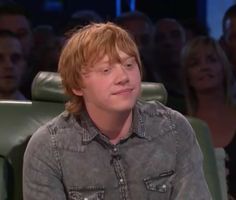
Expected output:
(78, 92)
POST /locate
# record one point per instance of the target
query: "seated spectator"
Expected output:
(194, 28)
(169, 39)
(140, 26)
(208, 84)
(228, 40)
(14, 18)
(47, 48)
(12, 65)
(81, 18)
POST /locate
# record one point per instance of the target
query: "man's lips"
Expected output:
(123, 91)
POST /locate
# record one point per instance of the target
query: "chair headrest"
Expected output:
(47, 86)
(152, 91)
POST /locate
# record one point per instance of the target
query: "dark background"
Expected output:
(43, 11)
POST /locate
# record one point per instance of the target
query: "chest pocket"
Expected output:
(159, 187)
(87, 194)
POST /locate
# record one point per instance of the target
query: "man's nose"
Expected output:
(122, 74)
(8, 63)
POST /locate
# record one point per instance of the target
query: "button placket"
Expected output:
(120, 172)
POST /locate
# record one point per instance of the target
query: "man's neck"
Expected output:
(113, 125)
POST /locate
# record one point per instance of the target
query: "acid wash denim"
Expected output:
(69, 158)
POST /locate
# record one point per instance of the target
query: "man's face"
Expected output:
(230, 39)
(140, 30)
(19, 25)
(111, 87)
(169, 41)
(12, 64)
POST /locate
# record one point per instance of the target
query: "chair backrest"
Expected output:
(209, 163)
(3, 179)
(19, 120)
(47, 86)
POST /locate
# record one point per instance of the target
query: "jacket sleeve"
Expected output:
(190, 182)
(41, 171)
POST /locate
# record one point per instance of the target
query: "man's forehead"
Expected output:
(168, 25)
(107, 58)
(13, 22)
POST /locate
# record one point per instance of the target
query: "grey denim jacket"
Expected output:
(69, 158)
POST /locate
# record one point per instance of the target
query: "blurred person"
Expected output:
(208, 83)
(140, 26)
(15, 19)
(47, 48)
(228, 40)
(169, 39)
(194, 28)
(12, 64)
(108, 144)
(81, 18)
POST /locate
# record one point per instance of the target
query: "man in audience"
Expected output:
(12, 64)
(14, 18)
(140, 26)
(169, 39)
(228, 40)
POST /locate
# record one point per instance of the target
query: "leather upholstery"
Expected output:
(209, 163)
(19, 120)
(47, 86)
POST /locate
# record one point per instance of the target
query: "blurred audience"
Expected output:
(81, 18)
(194, 28)
(140, 27)
(47, 48)
(208, 84)
(228, 40)
(12, 64)
(14, 18)
(169, 39)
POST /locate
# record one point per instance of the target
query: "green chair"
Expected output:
(47, 87)
(19, 120)
(209, 163)
(3, 179)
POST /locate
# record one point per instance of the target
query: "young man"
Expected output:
(108, 144)
(12, 66)
(14, 18)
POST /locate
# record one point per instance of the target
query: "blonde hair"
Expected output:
(87, 46)
(187, 54)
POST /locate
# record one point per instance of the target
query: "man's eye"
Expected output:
(106, 70)
(129, 65)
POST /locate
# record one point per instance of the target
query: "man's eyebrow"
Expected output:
(128, 58)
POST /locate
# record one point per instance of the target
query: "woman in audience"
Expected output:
(209, 95)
